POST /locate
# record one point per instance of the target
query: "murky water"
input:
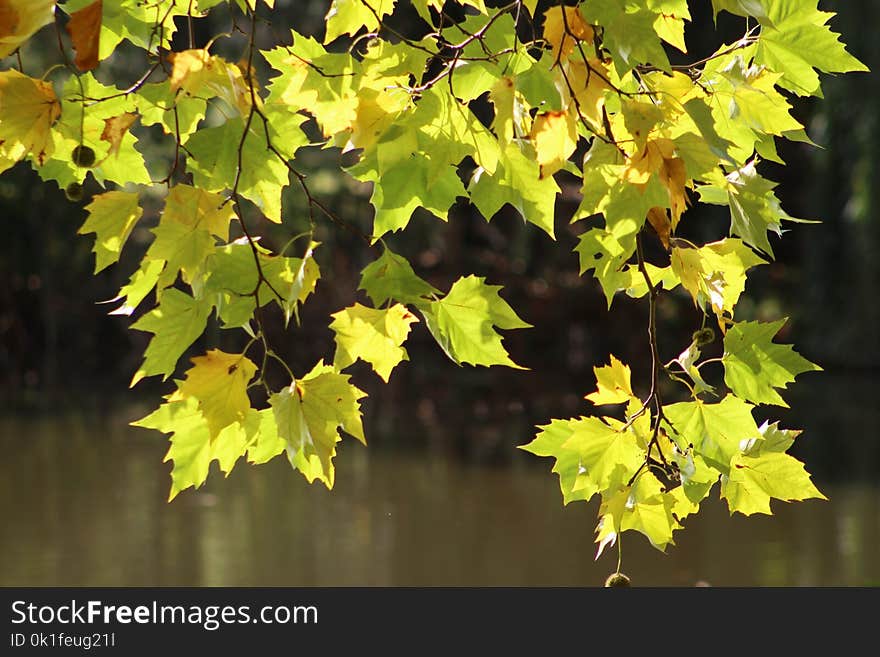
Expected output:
(83, 503)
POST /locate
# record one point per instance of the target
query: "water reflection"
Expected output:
(83, 502)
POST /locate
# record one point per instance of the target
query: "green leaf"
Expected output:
(613, 384)
(755, 366)
(112, 215)
(176, 323)
(716, 431)
(391, 277)
(754, 480)
(609, 457)
(549, 442)
(798, 42)
(645, 508)
(517, 181)
(606, 252)
(372, 335)
(138, 287)
(754, 208)
(349, 16)
(192, 448)
(309, 414)
(215, 161)
(629, 33)
(464, 321)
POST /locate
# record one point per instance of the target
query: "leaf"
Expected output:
(200, 74)
(797, 42)
(215, 161)
(391, 277)
(563, 31)
(555, 137)
(115, 129)
(716, 431)
(192, 448)
(608, 457)
(176, 323)
(84, 28)
(138, 287)
(29, 108)
(755, 366)
(754, 480)
(349, 16)
(20, 19)
(112, 215)
(614, 385)
(606, 251)
(714, 273)
(372, 335)
(645, 508)
(218, 380)
(549, 443)
(197, 208)
(464, 321)
(517, 181)
(309, 414)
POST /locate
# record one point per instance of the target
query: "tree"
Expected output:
(495, 105)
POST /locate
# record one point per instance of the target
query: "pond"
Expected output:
(84, 504)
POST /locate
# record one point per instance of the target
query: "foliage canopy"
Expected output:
(492, 104)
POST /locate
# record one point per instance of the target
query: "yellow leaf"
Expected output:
(659, 221)
(555, 137)
(115, 129)
(673, 176)
(29, 108)
(218, 380)
(648, 161)
(589, 81)
(613, 382)
(198, 73)
(562, 31)
(197, 208)
(84, 28)
(19, 19)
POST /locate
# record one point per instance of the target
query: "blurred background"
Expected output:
(442, 496)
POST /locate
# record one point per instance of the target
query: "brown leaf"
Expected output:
(84, 28)
(115, 129)
(659, 220)
(9, 19)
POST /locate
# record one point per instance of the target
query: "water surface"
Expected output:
(84, 504)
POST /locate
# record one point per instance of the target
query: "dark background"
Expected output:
(61, 352)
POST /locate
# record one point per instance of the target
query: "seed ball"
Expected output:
(83, 156)
(74, 192)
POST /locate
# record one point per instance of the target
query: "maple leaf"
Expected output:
(563, 30)
(309, 414)
(218, 380)
(201, 74)
(29, 108)
(555, 137)
(176, 323)
(754, 365)
(714, 273)
(754, 480)
(115, 129)
(84, 28)
(392, 277)
(20, 19)
(112, 215)
(372, 335)
(614, 385)
(714, 431)
(463, 322)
